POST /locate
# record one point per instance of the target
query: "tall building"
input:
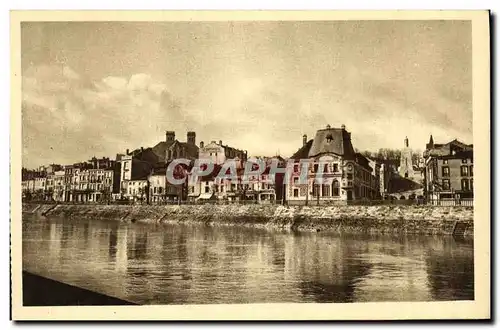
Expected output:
(449, 170)
(406, 163)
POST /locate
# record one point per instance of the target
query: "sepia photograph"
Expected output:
(250, 165)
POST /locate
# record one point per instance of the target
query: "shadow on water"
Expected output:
(340, 291)
(113, 240)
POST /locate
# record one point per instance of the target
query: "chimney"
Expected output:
(304, 139)
(343, 126)
(220, 142)
(191, 138)
(142, 149)
(328, 126)
(202, 144)
(406, 142)
(170, 136)
(127, 152)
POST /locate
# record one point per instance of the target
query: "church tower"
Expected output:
(406, 164)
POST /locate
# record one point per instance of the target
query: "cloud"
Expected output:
(67, 119)
(257, 86)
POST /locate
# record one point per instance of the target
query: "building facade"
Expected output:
(345, 175)
(219, 153)
(406, 169)
(449, 171)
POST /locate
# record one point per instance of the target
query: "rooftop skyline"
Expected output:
(100, 88)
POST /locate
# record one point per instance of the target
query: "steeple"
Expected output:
(430, 145)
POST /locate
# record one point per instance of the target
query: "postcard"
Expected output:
(250, 165)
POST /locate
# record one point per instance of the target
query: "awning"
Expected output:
(205, 196)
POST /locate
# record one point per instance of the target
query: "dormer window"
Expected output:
(329, 138)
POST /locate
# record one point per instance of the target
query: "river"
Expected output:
(195, 264)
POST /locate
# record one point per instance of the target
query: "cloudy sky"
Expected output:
(99, 88)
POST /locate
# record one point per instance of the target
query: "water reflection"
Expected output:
(176, 264)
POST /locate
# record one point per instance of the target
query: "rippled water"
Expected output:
(178, 264)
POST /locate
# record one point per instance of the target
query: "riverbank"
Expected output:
(42, 291)
(385, 219)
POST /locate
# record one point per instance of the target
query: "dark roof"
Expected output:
(159, 171)
(140, 169)
(160, 149)
(191, 149)
(363, 161)
(303, 152)
(332, 140)
(231, 152)
(459, 154)
(447, 150)
(147, 155)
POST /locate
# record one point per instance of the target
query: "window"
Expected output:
(207, 189)
(349, 176)
(296, 181)
(315, 191)
(465, 184)
(464, 170)
(464, 161)
(296, 193)
(471, 170)
(445, 161)
(296, 168)
(472, 184)
(335, 167)
(446, 184)
(326, 190)
(446, 171)
(315, 168)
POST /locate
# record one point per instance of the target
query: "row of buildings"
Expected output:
(140, 175)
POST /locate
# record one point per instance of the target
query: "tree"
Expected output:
(123, 192)
(27, 195)
(105, 194)
(142, 193)
(38, 194)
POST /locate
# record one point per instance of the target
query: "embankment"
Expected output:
(42, 291)
(385, 219)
